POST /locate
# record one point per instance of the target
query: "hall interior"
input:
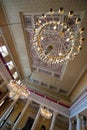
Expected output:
(59, 87)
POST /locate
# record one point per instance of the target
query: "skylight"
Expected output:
(10, 65)
(15, 75)
(4, 51)
(19, 81)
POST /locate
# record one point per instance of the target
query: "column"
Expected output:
(78, 127)
(24, 109)
(4, 115)
(53, 121)
(70, 124)
(36, 120)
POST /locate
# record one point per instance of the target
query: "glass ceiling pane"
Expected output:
(4, 51)
(15, 75)
(10, 65)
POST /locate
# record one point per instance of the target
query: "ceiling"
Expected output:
(60, 80)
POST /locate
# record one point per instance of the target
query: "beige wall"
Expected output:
(84, 128)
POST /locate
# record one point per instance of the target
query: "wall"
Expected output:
(43, 121)
(82, 85)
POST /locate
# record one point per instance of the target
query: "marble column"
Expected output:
(78, 127)
(6, 112)
(70, 124)
(36, 120)
(53, 121)
(22, 113)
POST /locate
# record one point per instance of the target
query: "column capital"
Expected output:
(42, 106)
(54, 112)
(29, 100)
(70, 119)
(80, 116)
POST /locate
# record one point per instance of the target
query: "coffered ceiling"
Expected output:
(62, 79)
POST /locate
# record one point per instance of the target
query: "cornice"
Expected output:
(50, 104)
(79, 106)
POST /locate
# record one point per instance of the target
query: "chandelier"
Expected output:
(58, 37)
(45, 113)
(17, 91)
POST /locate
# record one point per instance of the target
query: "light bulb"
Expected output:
(39, 21)
(41, 38)
(67, 39)
(61, 10)
(81, 30)
(58, 22)
(78, 20)
(60, 54)
(70, 14)
(54, 27)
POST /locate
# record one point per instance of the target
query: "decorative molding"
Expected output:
(51, 105)
(46, 92)
(29, 20)
(79, 106)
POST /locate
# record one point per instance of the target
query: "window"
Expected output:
(10, 65)
(15, 75)
(19, 81)
(4, 51)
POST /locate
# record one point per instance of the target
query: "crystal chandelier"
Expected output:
(45, 113)
(17, 91)
(58, 37)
